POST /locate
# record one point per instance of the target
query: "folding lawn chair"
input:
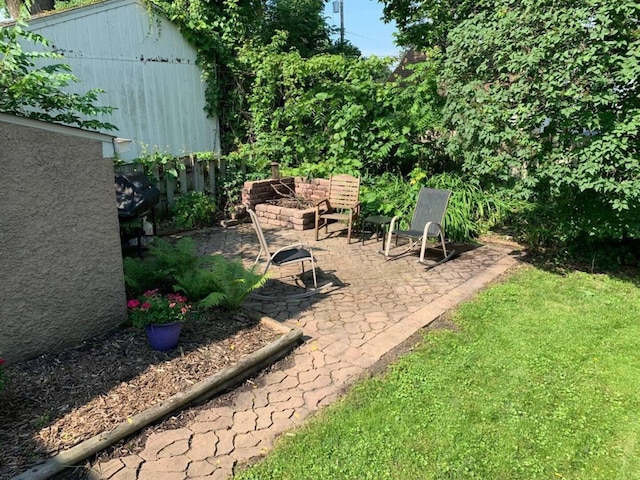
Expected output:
(426, 224)
(283, 257)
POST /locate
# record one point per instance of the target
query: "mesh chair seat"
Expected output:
(290, 256)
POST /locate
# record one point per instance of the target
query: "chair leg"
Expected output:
(423, 247)
(313, 269)
(444, 248)
(386, 250)
(349, 232)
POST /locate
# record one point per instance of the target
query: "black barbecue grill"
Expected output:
(136, 198)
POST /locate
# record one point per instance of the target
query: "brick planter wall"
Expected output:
(258, 193)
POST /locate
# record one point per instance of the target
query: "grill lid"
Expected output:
(134, 194)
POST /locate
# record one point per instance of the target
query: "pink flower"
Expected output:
(146, 306)
(1, 361)
(176, 297)
(171, 305)
(133, 303)
(184, 310)
(151, 293)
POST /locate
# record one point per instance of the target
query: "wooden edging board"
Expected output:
(214, 385)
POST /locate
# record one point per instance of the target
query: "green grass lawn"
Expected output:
(542, 381)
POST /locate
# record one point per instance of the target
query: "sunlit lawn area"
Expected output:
(541, 381)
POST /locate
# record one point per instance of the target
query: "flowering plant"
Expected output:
(153, 308)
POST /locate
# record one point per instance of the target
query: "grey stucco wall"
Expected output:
(61, 277)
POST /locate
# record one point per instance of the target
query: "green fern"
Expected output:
(223, 283)
(140, 275)
(174, 259)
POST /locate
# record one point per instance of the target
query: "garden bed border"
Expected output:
(214, 385)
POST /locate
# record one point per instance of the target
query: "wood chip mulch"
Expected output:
(59, 400)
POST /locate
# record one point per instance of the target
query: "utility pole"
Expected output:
(341, 23)
(338, 6)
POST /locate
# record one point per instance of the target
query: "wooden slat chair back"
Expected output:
(342, 204)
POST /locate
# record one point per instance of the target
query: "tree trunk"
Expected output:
(38, 6)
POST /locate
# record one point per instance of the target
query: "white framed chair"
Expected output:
(427, 223)
(283, 257)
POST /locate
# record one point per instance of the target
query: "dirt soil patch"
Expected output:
(292, 202)
(59, 400)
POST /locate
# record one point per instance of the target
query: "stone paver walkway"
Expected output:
(374, 306)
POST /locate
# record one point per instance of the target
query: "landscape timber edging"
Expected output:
(217, 383)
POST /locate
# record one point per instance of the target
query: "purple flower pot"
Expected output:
(165, 336)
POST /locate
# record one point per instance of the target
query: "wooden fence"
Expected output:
(196, 176)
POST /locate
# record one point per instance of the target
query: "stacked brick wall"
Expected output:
(261, 191)
(258, 193)
(286, 217)
(314, 190)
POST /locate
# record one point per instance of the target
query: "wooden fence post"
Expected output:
(211, 167)
(182, 174)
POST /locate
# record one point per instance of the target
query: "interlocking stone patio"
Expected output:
(373, 307)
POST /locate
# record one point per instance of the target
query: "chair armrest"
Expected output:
(425, 233)
(392, 225)
(320, 202)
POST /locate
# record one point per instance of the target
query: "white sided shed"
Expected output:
(146, 68)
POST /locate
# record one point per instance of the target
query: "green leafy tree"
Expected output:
(31, 85)
(330, 113)
(16, 8)
(545, 95)
(220, 30)
(307, 29)
(426, 23)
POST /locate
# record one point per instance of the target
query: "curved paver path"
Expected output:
(375, 306)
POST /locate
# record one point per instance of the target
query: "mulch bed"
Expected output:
(59, 400)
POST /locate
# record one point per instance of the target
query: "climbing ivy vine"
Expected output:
(331, 113)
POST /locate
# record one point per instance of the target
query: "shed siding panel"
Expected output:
(146, 68)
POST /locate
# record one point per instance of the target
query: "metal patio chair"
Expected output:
(285, 256)
(426, 224)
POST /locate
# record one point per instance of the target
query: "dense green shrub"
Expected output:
(471, 210)
(545, 97)
(159, 269)
(193, 209)
(331, 114)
